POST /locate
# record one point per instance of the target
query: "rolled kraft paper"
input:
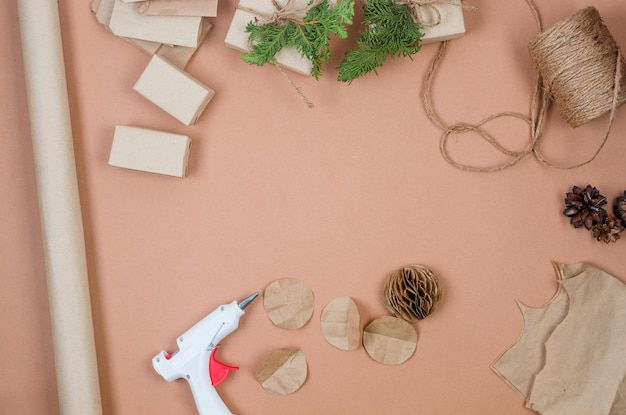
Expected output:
(577, 59)
(62, 231)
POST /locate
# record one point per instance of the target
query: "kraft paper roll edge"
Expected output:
(59, 205)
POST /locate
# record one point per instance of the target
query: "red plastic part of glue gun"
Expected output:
(218, 370)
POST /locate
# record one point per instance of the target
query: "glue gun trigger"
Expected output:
(218, 370)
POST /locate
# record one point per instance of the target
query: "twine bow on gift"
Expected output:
(422, 10)
(287, 13)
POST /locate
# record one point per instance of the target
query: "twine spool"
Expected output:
(580, 68)
(412, 293)
(576, 60)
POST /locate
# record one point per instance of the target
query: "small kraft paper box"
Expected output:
(127, 22)
(150, 151)
(451, 24)
(173, 90)
(237, 38)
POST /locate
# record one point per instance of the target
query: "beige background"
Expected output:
(338, 196)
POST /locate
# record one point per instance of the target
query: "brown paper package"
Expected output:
(570, 357)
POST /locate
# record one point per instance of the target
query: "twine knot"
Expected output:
(426, 12)
(289, 12)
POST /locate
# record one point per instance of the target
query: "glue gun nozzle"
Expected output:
(246, 301)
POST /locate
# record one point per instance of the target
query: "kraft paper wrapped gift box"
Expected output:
(151, 151)
(237, 38)
(126, 21)
(449, 17)
(177, 7)
(451, 24)
(442, 21)
(173, 90)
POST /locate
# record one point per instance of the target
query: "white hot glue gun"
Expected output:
(195, 359)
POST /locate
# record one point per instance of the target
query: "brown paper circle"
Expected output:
(283, 372)
(390, 340)
(288, 303)
(341, 323)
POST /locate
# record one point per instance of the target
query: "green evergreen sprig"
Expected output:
(310, 36)
(390, 31)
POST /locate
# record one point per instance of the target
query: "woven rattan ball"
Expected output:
(412, 293)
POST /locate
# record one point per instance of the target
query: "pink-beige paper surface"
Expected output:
(338, 196)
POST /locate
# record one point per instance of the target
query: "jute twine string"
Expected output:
(417, 10)
(579, 61)
(288, 12)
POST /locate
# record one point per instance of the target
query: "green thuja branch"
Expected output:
(390, 31)
(310, 36)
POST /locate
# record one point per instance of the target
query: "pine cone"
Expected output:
(620, 208)
(584, 207)
(412, 293)
(609, 230)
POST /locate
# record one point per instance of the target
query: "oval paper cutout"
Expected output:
(341, 323)
(283, 372)
(288, 303)
(390, 340)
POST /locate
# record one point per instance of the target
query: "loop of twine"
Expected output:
(417, 8)
(539, 105)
